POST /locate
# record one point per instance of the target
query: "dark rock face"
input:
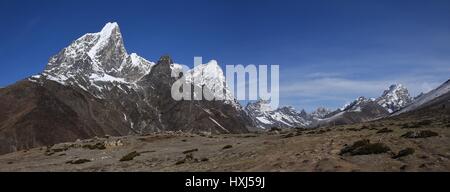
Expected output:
(94, 88)
(202, 115)
(43, 114)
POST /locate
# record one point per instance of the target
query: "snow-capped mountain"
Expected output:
(360, 110)
(395, 98)
(100, 64)
(97, 61)
(365, 109)
(211, 77)
(265, 117)
(93, 87)
(356, 105)
(426, 99)
(320, 113)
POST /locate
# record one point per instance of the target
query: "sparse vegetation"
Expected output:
(190, 151)
(425, 122)
(78, 161)
(404, 152)
(364, 147)
(227, 147)
(180, 162)
(99, 146)
(56, 150)
(249, 136)
(375, 148)
(130, 156)
(275, 129)
(300, 129)
(385, 130)
(418, 124)
(403, 167)
(50, 150)
(288, 135)
(405, 125)
(419, 134)
(189, 158)
(259, 151)
(364, 127)
(355, 145)
(353, 129)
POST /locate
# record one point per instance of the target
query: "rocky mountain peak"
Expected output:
(106, 48)
(288, 109)
(320, 112)
(425, 99)
(394, 98)
(354, 104)
(165, 60)
(260, 105)
(102, 53)
(96, 62)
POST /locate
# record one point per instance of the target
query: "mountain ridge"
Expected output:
(96, 88)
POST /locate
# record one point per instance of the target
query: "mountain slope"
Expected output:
(37, 114)
(360, 110)
(427, 99)
(94, 87)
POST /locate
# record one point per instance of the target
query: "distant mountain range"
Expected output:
(93, 87)
(361, 109)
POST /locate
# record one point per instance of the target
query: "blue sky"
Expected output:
(329, 51)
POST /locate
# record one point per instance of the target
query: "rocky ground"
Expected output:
(387, 145)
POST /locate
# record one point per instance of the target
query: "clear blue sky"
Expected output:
(329, 51)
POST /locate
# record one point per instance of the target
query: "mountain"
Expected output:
(264, 117)
(434, 97)
(321, 113)
(217, 116)
(395, 98)
(363, 109)
(94, 87)
(360, 110)
(211, 76)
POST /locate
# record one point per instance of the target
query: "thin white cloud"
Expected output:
(314, 92)
(323, 75)
(332, 87)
